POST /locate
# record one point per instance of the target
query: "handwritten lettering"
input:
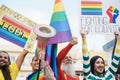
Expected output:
(18, 16)
(13, 29)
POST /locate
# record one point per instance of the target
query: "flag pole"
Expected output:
(114, 47)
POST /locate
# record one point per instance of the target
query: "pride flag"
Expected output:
(13, 31)
(60, 22)
(34, 75)
(91, 7)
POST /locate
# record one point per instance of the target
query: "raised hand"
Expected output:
(117, 35)
(41, 54)
(83, 33)
(74, 41)
(48, 73)
(113, 13)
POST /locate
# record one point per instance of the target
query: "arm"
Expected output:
(115, 61)
(62, 55)
(20, 58)
(65, 50)
(86, 59)
(48, 73)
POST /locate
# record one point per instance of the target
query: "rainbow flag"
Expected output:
(59, 21)
(34, 75)
(14, 31)
(90, 7)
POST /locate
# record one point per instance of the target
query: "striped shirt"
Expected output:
(109, 74)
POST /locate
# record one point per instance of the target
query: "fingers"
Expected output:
(49, 75)
(83, 31)
(74, 40)
(117, 35)
(41, 54)
(48, 66)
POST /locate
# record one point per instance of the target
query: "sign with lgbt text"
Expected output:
(100, 16)
(16, 28)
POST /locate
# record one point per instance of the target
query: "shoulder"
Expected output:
(14, 66)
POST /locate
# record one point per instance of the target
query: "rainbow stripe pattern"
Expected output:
(59, 21)
(91, 7)
(34, 75)
(113, 13)
(51, 52)
(14, 31)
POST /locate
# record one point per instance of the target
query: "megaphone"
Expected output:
(44, 33)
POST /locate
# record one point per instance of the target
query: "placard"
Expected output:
(16, 28)
(100, 16)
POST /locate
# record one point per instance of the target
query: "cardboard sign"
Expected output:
(100, 16)
(16, 28)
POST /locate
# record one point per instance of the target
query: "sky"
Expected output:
(40, 11)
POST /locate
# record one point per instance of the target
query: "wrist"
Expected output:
(44, 65)
(84, 38)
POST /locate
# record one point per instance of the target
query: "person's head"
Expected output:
(35, 63)
(37, 60)
(67, 66)
(4, 59)
(4, 64)
(97, 64)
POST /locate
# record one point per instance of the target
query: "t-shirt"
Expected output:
(13, 71)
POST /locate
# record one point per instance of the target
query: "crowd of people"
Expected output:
(93, 69)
